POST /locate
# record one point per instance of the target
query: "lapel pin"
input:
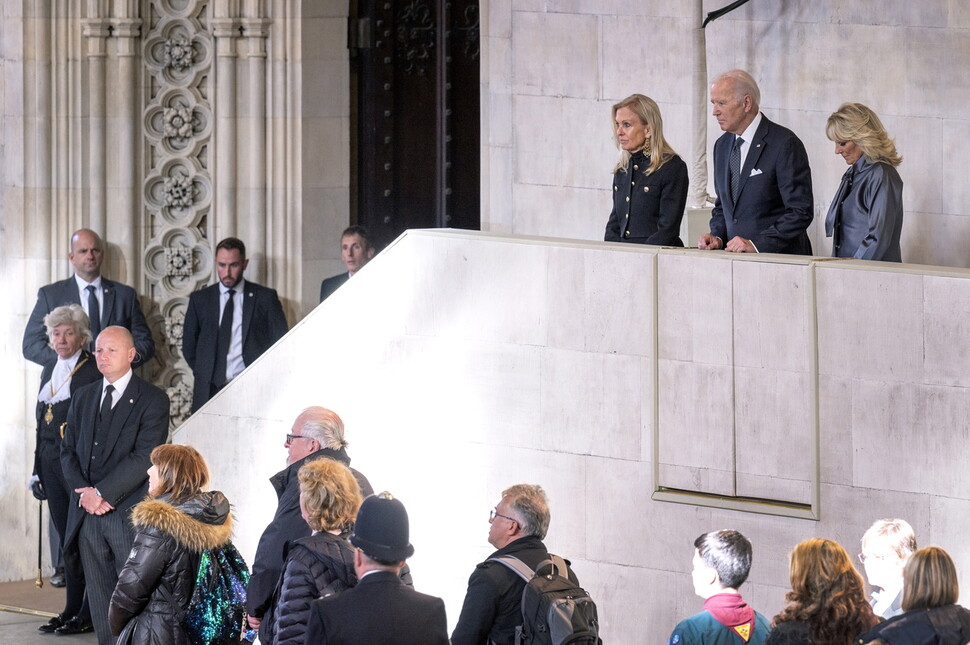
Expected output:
(132, 401)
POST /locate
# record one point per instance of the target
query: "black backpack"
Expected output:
(554, 610)
(218, 606)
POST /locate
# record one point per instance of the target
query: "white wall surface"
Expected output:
(463, 363)
(551, 70)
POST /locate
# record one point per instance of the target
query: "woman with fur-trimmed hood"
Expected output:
(172, 528)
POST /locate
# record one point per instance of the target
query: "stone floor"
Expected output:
(24, 607)
(22, 629)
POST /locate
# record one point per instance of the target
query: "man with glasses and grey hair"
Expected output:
(886, 548)
(492, 607)
(317, 433)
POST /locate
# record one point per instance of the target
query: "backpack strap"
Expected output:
(518, 566)
(559, 566)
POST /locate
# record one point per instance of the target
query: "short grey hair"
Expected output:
(530, 503)
(323, 425)
(68, 315)
(743, 84)
(896, 533)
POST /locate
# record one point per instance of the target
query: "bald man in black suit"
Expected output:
(105, 302)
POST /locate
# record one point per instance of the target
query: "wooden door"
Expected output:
(415, 115)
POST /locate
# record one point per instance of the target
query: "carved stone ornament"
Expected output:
(178, 53)
(178, 261)
(180, 402)
(179, 191)
(174, 324)
(178, 122)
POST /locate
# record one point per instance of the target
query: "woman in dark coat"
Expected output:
(930, 613)
(865, 219)
(67, 332)
(827, 604)
(649, 181)
(172, 528)
(322, 564)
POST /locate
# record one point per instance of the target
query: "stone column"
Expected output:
(38, 128)
(252, 179)
(96, 31)
(124, 219)
(225, 30)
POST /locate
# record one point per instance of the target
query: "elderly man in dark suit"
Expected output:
(112, 426)
(761, 176)
(228, 325)
(381, 609)
(105, 302)
(317, 433)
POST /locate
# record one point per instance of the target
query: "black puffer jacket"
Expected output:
(156, 584)
(316, 566)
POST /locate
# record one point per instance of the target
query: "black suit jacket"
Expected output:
(774, 206)
(328, 286)
(87, 372)
(139, 422)
(120, 308)
(648, 209)
(263, 323)
(380, 610)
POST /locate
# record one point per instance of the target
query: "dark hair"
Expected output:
(728, 553)
(930, 580)
(382, 562)
(827, 593)
(360, 231)
(232, 244)
(182, 472)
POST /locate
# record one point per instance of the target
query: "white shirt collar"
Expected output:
(70, 361)
(82, 284)
(239, 288)
(752, 129)
(120, 385)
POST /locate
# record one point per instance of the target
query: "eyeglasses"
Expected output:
(291, 437)
(863, 557)
(492, 515)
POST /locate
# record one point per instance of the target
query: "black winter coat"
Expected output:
(493, 604)
(156, 583)
(287, 525)
(316, 566)
(946, 625)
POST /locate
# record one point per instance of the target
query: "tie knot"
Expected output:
(90, 288)
(108, 390)
(231, 292)
(738, 142)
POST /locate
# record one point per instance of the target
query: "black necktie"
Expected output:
(106, 404)
(94, 313)
(222, 341)
(844, 189)
(736, 168)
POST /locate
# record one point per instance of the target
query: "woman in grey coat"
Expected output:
(866, 216)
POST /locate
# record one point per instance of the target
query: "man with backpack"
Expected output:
(493, 607)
